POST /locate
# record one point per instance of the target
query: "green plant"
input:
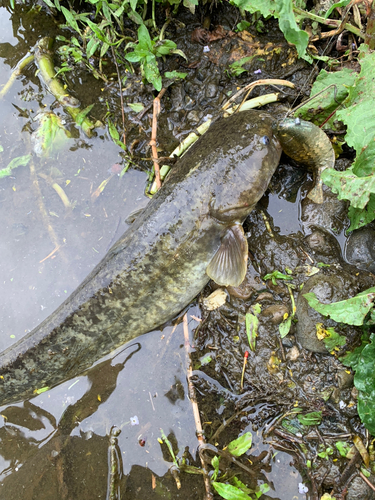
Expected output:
(349, 100)
(145, 52)
(358, 311)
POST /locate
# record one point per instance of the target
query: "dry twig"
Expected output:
(155, 113)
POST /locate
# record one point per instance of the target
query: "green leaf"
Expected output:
(364, 380)
(290, 29)
(239, 484)
(175, 74)
(144, 39)
(151, 72)
(343, 448)
(82, 115)
(164, 48)
(91, 47)
(133, 4)
(251, 323)
(243, 25)
(230, 492)
(70, 19)
(240, 445)
(135, 17)
(352, 358)
(351, 311)
(276, 275)
(322, 106)
(313, 418)
(357, 183)
(333, 339)
(135, 106)
(133, 57)
(20, 161)
(215, 464)
(342, 3)
(282, 10)
(284, 327)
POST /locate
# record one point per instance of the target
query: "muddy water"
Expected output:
(58, 444)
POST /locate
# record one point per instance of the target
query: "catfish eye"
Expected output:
(265, 140)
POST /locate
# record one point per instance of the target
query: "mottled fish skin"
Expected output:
(159, 265)
(307, 144)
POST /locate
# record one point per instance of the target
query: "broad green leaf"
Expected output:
(164, 48)
(364, 380)
(351, 358)
(313, 418)
(357, 183)
(343, 448)
(230, 492)
(333, 339)
(133, 4)
(175, 74)
(290, 29)
(251, 323)
(282, 10)
(133, 57)
(113, 130)
(351, 311)
(321, 107)
(240, 445)
(349, 186)
(144, 39)
(20, 161)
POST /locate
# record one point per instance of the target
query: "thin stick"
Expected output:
(367, 481)
(197, 418)
(156, 111)
(252, 85)
(121, 97)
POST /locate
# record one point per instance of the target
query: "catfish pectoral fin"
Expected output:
(229, 264)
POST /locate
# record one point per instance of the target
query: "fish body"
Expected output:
(190, 231)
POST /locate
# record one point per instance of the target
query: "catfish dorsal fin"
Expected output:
(229, 264)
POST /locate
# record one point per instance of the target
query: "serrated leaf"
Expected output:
(240, 445)
(351, 311)
(321, 107)
(230, 492)
(364, 380)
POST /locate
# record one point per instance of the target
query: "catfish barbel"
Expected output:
(190, 231)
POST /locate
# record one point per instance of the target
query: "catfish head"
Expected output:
(251, 157)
